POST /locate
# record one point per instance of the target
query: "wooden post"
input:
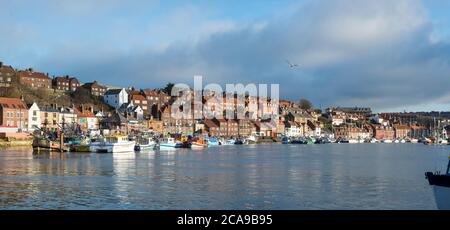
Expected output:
(61, 141)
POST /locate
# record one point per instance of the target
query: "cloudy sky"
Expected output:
(386, 54)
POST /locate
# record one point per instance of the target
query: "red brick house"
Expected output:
(7, 75)
(232, 127)
(65, 83)
(13, 113)
(140, 100)
(34, 79)
(212, 128)
(383, 132)
(95, 88)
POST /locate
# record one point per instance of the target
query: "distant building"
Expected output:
(352, 132)
(116, 97)
(355, 110)
(212, 128)
(402, 131)
(292, 129)
(7, 75)
(33, 79)
(155, 125)
(383, 132)
(95, 88)
(13, 113)
(141, 101)
(65, 83)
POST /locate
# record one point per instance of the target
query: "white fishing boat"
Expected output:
(374, 140)
(353, 141)
(229, 142)
(396, 141)
(386, 141)
(144, 143)
(168, 143)
(402, 141)
(113, 144)
(414, 140)
(441, 187)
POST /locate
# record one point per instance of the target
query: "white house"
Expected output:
(293, 130)
(34, 117)
(116, 97)
(132, 111)
(377, 119)
(67, 116)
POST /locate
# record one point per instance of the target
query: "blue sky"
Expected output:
(390, 55)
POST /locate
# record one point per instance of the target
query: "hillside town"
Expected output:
(95, 109)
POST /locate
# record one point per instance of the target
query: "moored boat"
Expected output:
(213, 142)
(197, 143)
(353, 141)
(42, 143)
(114, 144)
(168, 143)
(144, 143)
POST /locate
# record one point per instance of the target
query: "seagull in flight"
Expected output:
(291, 65)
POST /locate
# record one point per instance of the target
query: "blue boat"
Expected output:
(213, 142)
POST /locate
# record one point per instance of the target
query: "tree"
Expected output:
(305, 104)
(168, 88)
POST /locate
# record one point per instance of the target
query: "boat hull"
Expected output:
(144, 147)
(113, 147)
(442, 197)
(81, 148)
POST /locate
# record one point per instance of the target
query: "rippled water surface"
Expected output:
(331, 176)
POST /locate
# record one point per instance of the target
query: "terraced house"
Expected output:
(7, 75)
(65, 83)
(34, 79)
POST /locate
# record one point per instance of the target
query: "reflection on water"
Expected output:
(341, 176)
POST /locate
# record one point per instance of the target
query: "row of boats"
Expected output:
(125, 143)
(325, 140)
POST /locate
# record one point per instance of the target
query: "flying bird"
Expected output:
(291, 65)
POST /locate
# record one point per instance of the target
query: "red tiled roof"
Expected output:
(12, 103)
(138, 97)
(151, 92)
(33, 75)
(210, 123)
(86, 114)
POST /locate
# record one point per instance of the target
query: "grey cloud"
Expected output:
(367, 53)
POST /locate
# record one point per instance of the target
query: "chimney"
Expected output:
(1, 64)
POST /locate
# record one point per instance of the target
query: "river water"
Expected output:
(329, 176)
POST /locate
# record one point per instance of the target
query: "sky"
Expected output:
(391, 55)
